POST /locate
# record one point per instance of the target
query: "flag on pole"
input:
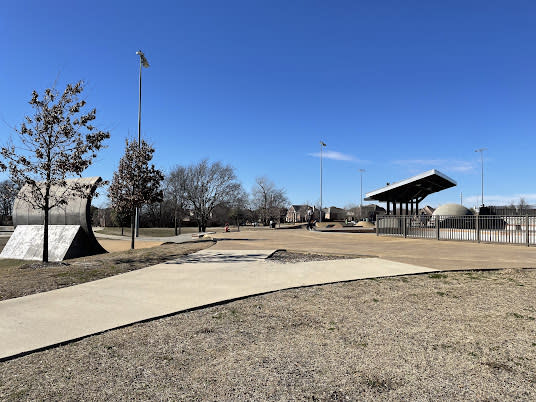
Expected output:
(144, 61)
(323, 143)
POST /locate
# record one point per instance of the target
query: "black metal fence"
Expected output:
(483, 228)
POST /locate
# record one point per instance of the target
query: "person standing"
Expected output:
(309, 219)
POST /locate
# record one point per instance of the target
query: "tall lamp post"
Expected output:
(361, 198)
(322, 145)
(481, 150)
(143, 63)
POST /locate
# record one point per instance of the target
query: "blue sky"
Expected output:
(392, 87)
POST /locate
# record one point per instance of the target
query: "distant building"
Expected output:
(297, 213)
(335, 214)
(368, 211)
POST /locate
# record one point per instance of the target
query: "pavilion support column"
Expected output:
(417, 207)
(388, 207)
(394, 207)
(411, 207)
(400, 206)
(407, 211)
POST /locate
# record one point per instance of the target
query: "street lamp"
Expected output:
(481, 150)
(143, 63)
(322, 145)
(361, 198)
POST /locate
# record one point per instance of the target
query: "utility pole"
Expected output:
(361, 197)
(322, 145)
(481, 150)
(143, 63)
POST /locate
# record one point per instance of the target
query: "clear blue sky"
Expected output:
(392, 87)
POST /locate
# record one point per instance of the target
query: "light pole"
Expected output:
(322, 145)
(143, 63)
(481, 150)
(361, 198)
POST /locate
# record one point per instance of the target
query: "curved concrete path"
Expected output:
(210, 276)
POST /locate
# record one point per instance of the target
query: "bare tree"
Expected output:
(238, 206)
(135, 183)
(207, 186)
(120, 218)
(522, 206)
(56, 142)
(268, 199)
(175, 191)
(8, 192)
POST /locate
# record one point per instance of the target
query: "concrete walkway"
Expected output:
(210, 276)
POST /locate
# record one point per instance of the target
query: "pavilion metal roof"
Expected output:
(414, 188)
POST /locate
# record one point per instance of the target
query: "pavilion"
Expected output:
(411, 191)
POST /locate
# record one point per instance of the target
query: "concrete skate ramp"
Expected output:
(65, 241)
(70, 232)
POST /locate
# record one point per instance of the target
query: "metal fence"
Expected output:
(484, 228)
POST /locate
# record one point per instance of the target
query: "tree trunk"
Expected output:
(122, 227)
(45, 233)
(132, 229)
(265, 212)
(175, 218)
(45, 226)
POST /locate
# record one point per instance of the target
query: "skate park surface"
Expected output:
(235, 267)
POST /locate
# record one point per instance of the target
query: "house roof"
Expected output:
(300, 207)
(416, 187)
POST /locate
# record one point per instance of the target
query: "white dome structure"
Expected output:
(452, 210)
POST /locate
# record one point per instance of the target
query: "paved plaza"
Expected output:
(443, 255)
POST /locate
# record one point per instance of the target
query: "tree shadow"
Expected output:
(218, 258)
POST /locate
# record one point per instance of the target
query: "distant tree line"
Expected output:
(202, 194)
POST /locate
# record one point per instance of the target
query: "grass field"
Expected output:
(149, 232)
(452, 336)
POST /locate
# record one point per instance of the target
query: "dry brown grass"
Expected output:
(452, 336)
(167, 232)
(148, 232)
(22, 278)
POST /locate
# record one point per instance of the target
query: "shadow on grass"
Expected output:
(217, 258)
